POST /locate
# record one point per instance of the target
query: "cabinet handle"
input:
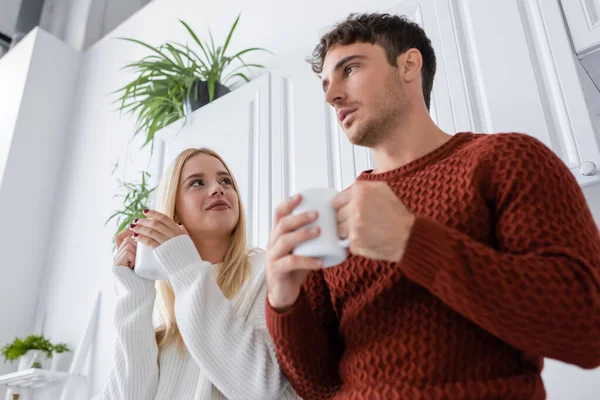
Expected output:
(588, 168)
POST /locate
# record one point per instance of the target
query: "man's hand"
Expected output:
(375, 220)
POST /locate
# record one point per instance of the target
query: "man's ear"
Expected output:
(412, 63)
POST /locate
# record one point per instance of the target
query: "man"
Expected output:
(472, 256)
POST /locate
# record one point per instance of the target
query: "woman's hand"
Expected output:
(126, 247)
(155, 229)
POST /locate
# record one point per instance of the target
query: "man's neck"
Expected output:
(418, 136)
(211, 249)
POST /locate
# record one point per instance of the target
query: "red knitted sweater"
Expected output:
(502, 268)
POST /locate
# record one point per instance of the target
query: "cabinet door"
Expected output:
(583, 17)
(529, 75)
(237, 127)
(306, 138)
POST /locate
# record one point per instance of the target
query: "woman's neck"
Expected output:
(211, 249)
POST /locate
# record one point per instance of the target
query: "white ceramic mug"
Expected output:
(146, 265)
(327, 246)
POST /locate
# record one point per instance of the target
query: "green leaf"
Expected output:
(241, 53)
(248, 66)
(211, 89)
(239, 74)
(176, 54)
(147, 46)
(193, 35)
(231, 33)
(135, 198)
(186, 54)
(212, 44)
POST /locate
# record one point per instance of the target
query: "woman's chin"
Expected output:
(218, 225)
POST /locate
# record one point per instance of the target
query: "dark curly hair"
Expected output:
(396, 34)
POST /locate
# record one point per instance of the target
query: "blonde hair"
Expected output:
(232, 272)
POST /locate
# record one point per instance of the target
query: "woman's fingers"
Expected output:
(148, 241)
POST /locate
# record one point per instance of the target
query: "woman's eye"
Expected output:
(196, 183)
(227, 181)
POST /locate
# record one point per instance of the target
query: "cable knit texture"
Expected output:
(228, 352)
(502, 268)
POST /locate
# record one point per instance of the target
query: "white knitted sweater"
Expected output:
(229, 354)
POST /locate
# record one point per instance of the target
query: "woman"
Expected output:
(212, 341)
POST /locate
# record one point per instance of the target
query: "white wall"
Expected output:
(117, 11)
(8, 16)
(79, 263)
(81, 23)
(13, 76)
(44, 70)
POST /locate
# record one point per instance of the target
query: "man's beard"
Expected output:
(388, 112)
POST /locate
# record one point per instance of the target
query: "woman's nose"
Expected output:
(217, 189)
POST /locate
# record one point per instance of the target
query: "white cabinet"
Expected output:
(502, 67)
(583, 17)
(529, 77)
(237, 127)
(452, 92)
(309, 149)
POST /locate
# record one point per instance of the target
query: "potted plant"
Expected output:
(32, 352)
(135, 200)
(175, 80)
(61, 357)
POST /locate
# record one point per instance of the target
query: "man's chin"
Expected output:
(355, 137)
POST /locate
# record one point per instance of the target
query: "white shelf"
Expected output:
(33, 378)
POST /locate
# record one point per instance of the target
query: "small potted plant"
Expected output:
(135, 200)
(61, 357)
(34, 351)
(176, 79)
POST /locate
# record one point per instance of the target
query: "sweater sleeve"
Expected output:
(234, 352)
(538, 288)
(307, 342)
(134, 375)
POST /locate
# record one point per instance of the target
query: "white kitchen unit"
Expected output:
(502, 67)
(529, 78)
(583, 17)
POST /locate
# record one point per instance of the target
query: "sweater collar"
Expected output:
(420, 162)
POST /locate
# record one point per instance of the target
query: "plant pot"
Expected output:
(199, 96)
(33, 358)
(61, 361)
